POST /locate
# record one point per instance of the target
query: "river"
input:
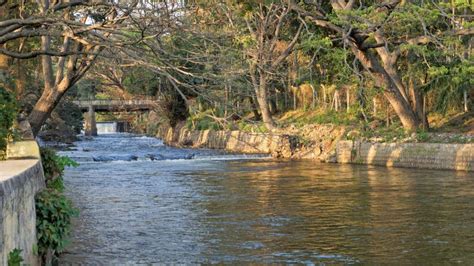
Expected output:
(142, 202)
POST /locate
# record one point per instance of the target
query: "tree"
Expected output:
(71, 35)
(264, 27)
(378, 33)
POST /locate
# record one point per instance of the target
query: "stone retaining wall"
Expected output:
(236, 141)
(20, 181)
(416, 155)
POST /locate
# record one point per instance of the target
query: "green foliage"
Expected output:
(316, 42)
(53, 210)
(174, 108)
(53, 165)
(207, 123)
(201, 121)
(71, 114)
(252, 127)
(246, 40)
(53, 220)
(15, 258)
(8, 111)
(422, 136)
(141, 81)
(391, 133)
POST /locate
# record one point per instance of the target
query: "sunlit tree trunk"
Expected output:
(394, 91)
(262, 99)
(416, 99)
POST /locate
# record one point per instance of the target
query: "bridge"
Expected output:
(92, 106)
(116, 105)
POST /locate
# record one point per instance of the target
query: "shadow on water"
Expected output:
(221, 208)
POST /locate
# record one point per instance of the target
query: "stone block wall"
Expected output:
(417, 155)
(20, 181)
(236, 141)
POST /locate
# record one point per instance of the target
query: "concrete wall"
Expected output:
(20, 181)
(417, 155)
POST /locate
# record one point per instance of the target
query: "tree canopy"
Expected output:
(246, 59)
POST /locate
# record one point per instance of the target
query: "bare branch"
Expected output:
(32, 54)
(288, 49)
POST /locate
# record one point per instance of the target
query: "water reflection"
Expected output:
(267, 211)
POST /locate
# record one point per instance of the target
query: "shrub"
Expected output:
(53, 221)
(53, 166)
(7, 116)
(54, 211)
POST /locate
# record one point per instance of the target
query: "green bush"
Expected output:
(53, 166)
(8, 111)
(54, 211)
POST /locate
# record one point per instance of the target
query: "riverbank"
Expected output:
(326, 143)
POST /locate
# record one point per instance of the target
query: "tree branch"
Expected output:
(32, 54)
(288, 49)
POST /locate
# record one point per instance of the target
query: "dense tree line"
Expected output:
(230, 59)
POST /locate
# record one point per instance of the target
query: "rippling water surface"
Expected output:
(142, 203)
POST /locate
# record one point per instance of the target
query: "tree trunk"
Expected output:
(4, 62)
(226, 99)
(466, 109)
(254, 106)
(273, 106)
(4, 71)
(20, 82)
(43, 108)
(403, 110)
(393, 89)
(294, 100)
(417, 103)
(348, 100)
(262, 99)
(336, 100)
(324, 96)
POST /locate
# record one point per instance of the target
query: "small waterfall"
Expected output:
(106, 127)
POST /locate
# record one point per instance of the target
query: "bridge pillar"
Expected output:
(90, 127)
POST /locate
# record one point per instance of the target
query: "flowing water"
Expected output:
(142, 203)
(106, 127)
